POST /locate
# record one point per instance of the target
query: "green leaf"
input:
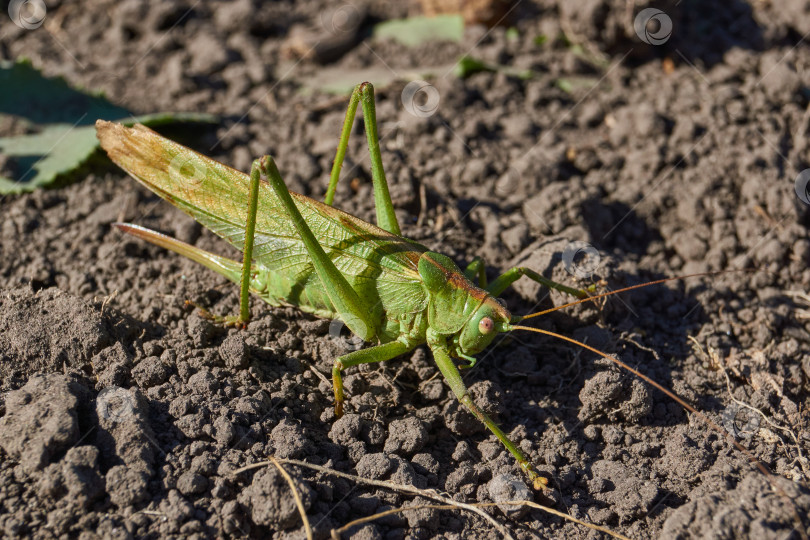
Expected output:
(415, 31)
(55, 154)
(572, 85)
(42, 157)
(467, 65)
(540, 40)
(61, 125)
(40, 100)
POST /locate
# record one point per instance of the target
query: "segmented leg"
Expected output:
(250, 232)
(356, 314)
(364, 93)
(438, 345)
(380, 353)
(476, 270)
(247, 256)
(501, 283)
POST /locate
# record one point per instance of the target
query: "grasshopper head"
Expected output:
(487, 321)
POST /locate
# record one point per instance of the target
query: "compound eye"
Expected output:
(485, 325)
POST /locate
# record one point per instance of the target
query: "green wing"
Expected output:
(379, 265)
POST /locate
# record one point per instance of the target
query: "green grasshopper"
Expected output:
(299, 252)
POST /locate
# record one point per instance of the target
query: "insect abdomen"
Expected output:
(303, 292)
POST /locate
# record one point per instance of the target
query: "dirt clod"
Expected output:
(40, 421)
(405, 436)
(269, 500)
(626, 494)
(374, 466)
(126, 486)
(66, 331)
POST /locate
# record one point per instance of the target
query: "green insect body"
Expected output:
(390, 291)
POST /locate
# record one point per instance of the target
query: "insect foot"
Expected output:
(539, 483)
(227, 321)
(337, 385)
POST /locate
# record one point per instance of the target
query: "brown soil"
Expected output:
(123, 412)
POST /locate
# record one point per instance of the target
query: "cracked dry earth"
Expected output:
(124, 414)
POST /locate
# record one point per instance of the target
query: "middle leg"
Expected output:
(380, 353)
(501, 283)
(438, 346)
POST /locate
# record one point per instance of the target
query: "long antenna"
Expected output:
(756, 462)
(632, 287)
